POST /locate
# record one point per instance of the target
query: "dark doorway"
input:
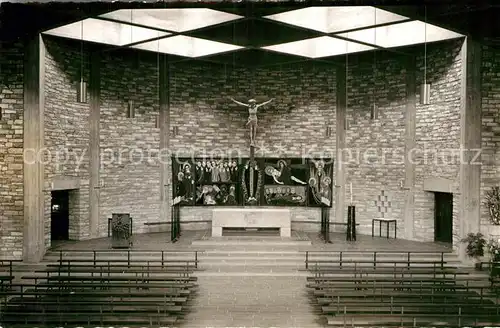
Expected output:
(59, 215)
(443, 217)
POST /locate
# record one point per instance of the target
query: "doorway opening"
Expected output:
(443, 217)
(59, 215)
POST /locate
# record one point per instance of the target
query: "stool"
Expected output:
(387, 223)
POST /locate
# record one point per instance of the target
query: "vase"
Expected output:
(120, 230)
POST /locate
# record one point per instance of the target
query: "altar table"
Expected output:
(251, 218)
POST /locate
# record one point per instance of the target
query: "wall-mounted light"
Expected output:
(373, 112)
(157, 121)
(328, 131)
(130, 109)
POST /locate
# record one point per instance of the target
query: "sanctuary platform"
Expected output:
(189, 239)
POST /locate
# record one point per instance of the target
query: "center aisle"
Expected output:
(252, 282)
(252, 301)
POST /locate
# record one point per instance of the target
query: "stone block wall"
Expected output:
(490, 170)
(438, 132)
(11, 151)
(377, 146)
(129, 171)
(294, 125)
(374, 144)
(206, 122)
(66, 129)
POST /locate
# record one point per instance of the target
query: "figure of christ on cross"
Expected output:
(252, 116)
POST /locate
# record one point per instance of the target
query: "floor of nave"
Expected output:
(254, 279)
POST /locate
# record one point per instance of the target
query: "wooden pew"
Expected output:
(64, 318)
(111, 291)
(6, 274)
(128, 256)
(410, 307)
(413, 320)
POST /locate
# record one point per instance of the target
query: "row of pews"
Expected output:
(400, 290)
(110, 291)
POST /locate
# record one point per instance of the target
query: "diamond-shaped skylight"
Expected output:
(101, 31)
(186, 46)
(172, 19)
(336, 19)
(401, 34)
(319, 47)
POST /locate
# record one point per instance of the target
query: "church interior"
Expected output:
(260, 164)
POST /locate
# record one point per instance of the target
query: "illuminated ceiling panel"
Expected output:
(401, 34)
(324, 46)
(101, 31)
(186, 46)
(172, 19)
(336, 19)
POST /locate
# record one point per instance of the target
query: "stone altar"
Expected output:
(251, 218)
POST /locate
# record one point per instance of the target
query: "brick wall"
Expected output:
(11, 151)
(490, 174)
(438, 132)
(66, 130)
(294, 125)
(132, 183)
(376, 169)
(374, 144)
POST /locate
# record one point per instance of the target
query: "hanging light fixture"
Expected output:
(82, 85)
(425, 88)
(130, 103)
(346, 120)
(158, 83)
(373, 112)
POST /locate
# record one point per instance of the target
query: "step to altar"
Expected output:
(262, 241)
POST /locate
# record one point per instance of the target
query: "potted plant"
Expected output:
(120, 230)
(494, 250)
(475, 247)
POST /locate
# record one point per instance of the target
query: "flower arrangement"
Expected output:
(493, 247)
(494, 250)
(475, 244)
(493, 204)
(121, 227)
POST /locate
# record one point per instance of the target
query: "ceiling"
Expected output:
(253, 33)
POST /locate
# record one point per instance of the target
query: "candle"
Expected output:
(351, 191)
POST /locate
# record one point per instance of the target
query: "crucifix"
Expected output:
(252, 116)
(253, 106)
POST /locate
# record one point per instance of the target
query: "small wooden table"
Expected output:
(387, 222)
